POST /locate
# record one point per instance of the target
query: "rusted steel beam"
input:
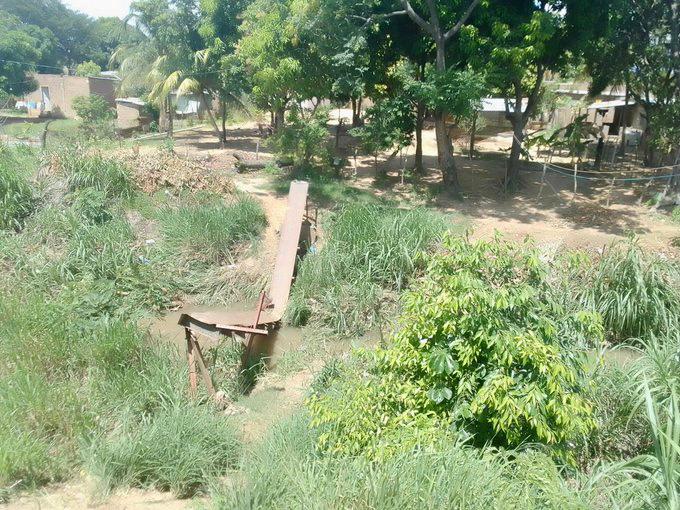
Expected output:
(191, 358)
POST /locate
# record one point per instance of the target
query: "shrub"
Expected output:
(285, 471)
(91, 206)
(389, 124)
(92, 108)
(16, 195)
(479, 348)
(304, 140)
(210, 229)
(368, 249)
(635, 293)
(178, 449)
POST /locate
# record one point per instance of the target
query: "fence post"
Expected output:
(573, 196)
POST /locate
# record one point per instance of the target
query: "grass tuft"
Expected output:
(636, 294)
(86, 169)
(17, 198)
(177, 449)
(209, 230)
(368, 249)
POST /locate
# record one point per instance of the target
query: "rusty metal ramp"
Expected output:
(295, 237)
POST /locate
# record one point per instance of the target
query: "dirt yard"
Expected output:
(551, 212)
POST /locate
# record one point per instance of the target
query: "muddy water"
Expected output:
(272, 346)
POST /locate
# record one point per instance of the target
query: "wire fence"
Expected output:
(667, 175)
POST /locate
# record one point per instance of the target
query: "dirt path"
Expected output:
(78, 494)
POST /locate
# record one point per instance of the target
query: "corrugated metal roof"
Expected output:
(497, 104)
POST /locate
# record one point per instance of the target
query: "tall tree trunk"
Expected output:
(473, 132)
(356, 112)
(447, 164)
(420, 120)
(223, 112)
(169, 112)
(516, 150)
(208, 110)
(624, 124)
(279, 118)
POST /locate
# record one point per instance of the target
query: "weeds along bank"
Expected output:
(490, 391)
(499, 388)
(84, 254)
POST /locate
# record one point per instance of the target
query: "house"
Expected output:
(55, 93)
(131, 115)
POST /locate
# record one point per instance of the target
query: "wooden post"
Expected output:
(573, 196)
(191, 357)
(540, 190)
(611, 186)
(201, 365)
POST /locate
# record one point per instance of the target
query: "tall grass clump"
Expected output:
(209, 230)
(17, 198)
(179, 448)
(89, 169)
(650, 479)
(368, 249)
(636, 294)
(286, 471)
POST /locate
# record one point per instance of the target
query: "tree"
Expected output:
(88, 68)
(72, 31)
(441, 32)
(525, 40)
(285, 65)
(389, 125)
(17, 46)
(641, 46)
(165, 60)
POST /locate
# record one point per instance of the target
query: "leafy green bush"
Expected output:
(636, 294)
(210, 229)
(96, 115)
(17, 199)
(85, 169)
(87, 68)
(389, 124)
(304, 140)
(368, 249)
(177, 449)
(91, 206)
(285, 471)
(480, 348)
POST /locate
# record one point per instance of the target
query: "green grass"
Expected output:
(33, 130)
(326, 190)
(80, 384)
(210, 230)
(87, 169)
(284, 471)
(368, 249)
(675, 214)
(17, 197)
(177, 449)
(636, 294)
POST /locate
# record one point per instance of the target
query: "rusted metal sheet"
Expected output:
(284, 268)
(296, 235)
